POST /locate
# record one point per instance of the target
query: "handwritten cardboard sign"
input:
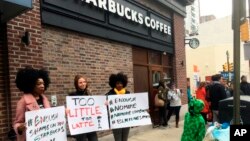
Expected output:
(128, 110)
(87, 114)
(46, 124)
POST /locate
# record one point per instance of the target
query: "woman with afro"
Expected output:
(33, 83)
(118, 83)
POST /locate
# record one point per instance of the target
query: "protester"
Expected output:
(174, 95)
(81, 86)
(231, 89)
(33, 83)
(162, 94)
(201, 94)
(244, 85)
(209, 117)
(194, 124)
(118, 83)
(216, 93)
(189, 96)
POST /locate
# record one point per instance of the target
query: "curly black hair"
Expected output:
(27, 77)
(119, 77)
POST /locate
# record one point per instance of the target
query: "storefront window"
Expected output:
(156, 78)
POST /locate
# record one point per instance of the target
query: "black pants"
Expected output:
(176, 110)
(162, 115)
(121, 134)
(92, 136)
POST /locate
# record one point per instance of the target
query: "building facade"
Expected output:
(207, 18)
(192, 19)
(142, 38)
(208, 59)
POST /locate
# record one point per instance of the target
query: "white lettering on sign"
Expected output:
(102, 4)
(120, 10)
(140, 18)
(147, 21)
(127, 13)
(240, 132)
(92, 1)
(130, 14)
(112, 6)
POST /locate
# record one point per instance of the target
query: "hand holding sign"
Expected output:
(46, 124)
(128, 110)
(87, 114)
(21, 128)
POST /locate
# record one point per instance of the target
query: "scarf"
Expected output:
(122, 91)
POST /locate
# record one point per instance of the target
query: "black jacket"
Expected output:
(245, 88)
(216, 93)
(112, 92)
(80, 93)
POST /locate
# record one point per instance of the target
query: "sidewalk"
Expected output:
(170, 133)
(147, 133)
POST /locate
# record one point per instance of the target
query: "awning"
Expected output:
(11, 8)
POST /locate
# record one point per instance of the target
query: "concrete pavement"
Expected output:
(148, 133)
(171, 134)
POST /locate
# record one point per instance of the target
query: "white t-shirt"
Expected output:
(175, 97)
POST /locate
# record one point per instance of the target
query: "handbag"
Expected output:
(159, 102)
(12, 134)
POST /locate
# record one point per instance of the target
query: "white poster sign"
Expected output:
(128, 110)
(46, 124)
(87, 114)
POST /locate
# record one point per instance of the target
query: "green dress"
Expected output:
(194, 124)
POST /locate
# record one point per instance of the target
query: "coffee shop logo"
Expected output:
(130, 14)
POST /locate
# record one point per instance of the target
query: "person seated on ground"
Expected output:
(194, 123)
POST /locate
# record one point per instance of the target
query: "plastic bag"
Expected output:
(218, 132)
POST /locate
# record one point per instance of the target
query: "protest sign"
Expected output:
(87, 114)
(128, 110)
(46, 124)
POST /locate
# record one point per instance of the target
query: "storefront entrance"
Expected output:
(149, 68)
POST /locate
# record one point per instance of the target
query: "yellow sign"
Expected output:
(244, 31)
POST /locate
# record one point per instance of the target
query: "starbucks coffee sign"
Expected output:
(126, 21)
(130, 14)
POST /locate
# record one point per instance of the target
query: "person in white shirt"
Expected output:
(174, 96)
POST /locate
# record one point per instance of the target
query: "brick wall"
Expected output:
(69, 53)
(179, 55)
(19, 54)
